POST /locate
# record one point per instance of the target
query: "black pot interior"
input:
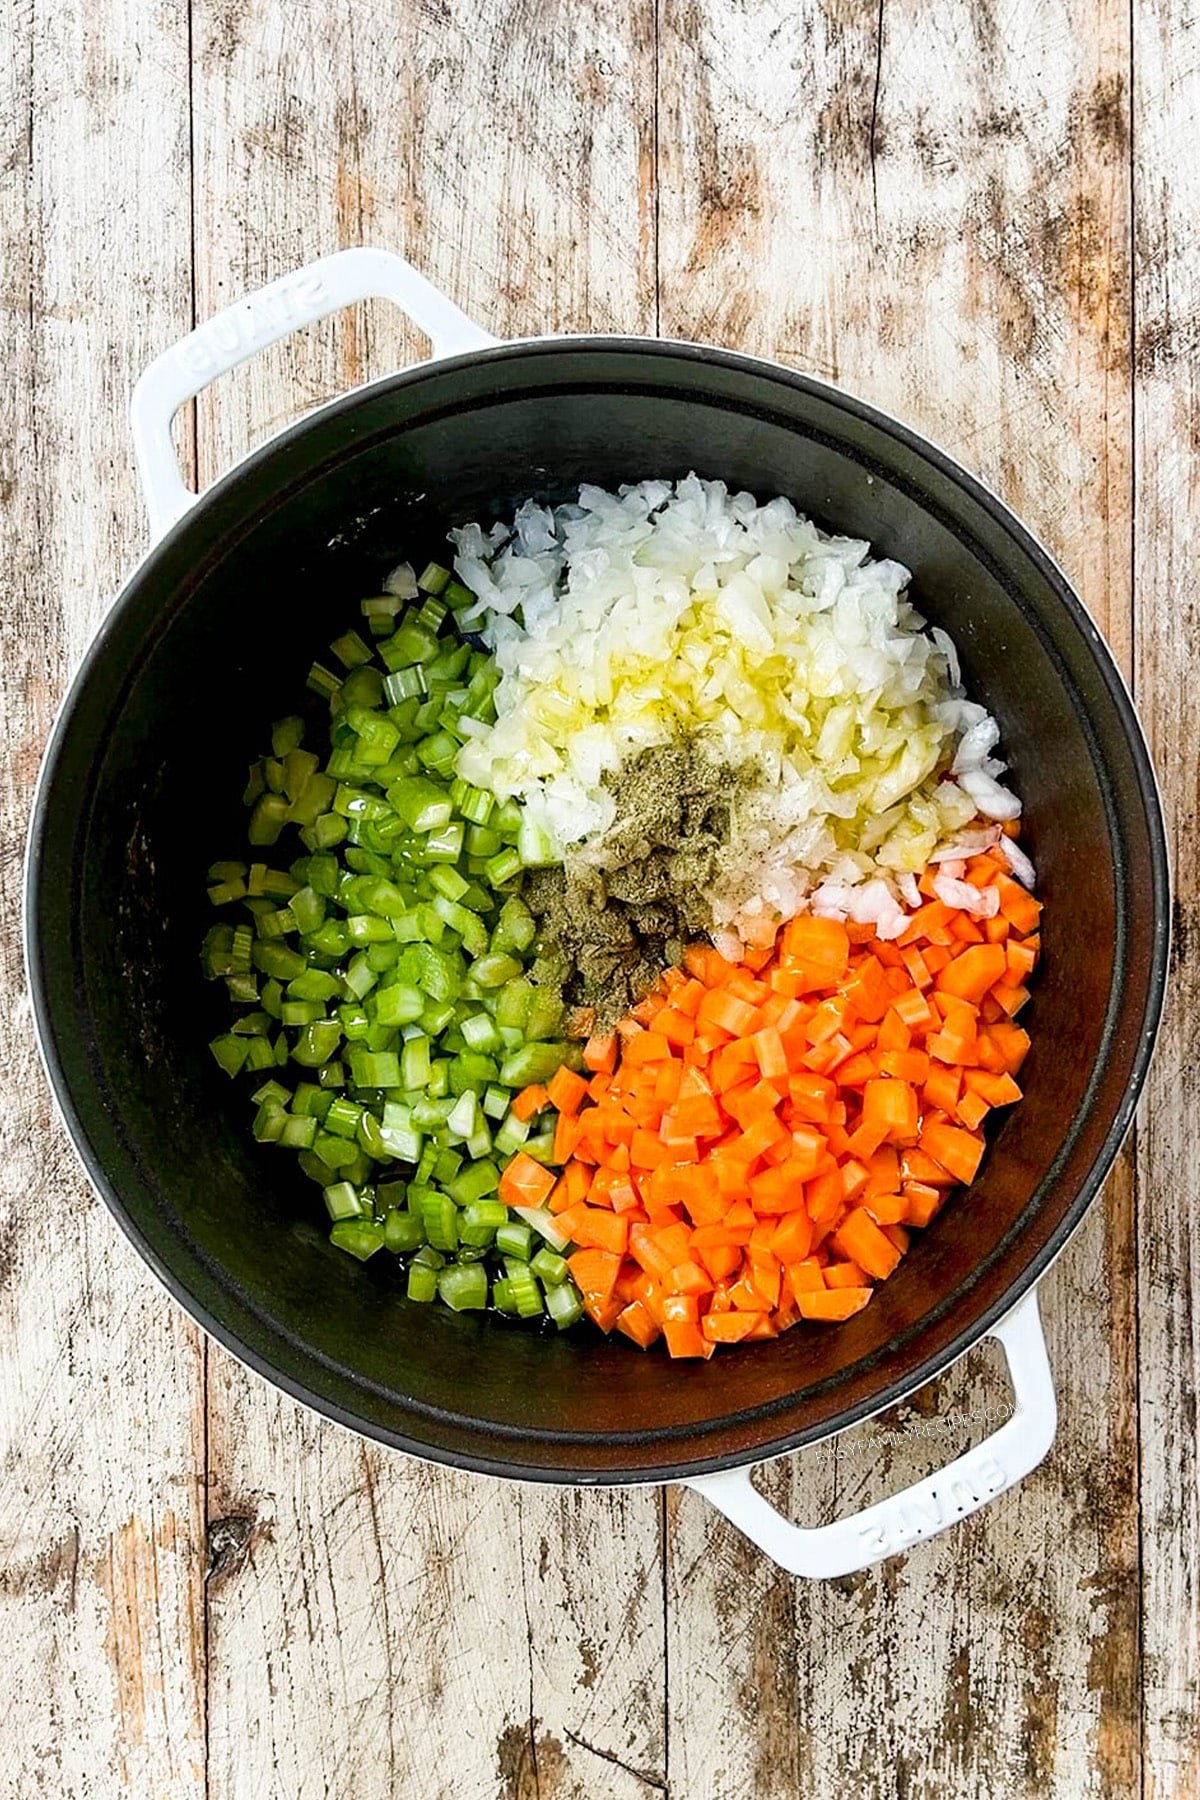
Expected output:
(211, 641)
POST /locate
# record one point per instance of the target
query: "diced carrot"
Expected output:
(803, 1277)
(729, 1327)
(719, 1259)
(566, 1090)
(792, 1238)
(525, 1182)
(530, 1101)
(815, 949)
(1011, 1042)
(860, 1238)
(595, 1274)
(997, 1090)
(959, 1152)
(888, 1209)
(923, 1201)
(942, 1088)
(832, 1305)
(891, 1106)
(597, 1228)
(600, 1053)
(1019, 907)
(725, 1012)
(973, 972)
(1021, 959)
(684, 1338)
(636, 1323)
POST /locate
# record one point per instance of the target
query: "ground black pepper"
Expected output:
(611, 918)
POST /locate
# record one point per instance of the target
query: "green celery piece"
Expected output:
(474, 1182)
(564, 1304)
(350, 650)
(269, 1122)
(415, 1063)
(508, 819)
(422, 1282)
(502, 867)
(514, 1238)
(413, 643)
(515, 929)
(343, 1201)
(482, 842)
(463, 1287)
(463, 1117)
(495, 1101)
(286, 734)
(399, 1004)
(361, 1237)
(439, 1216)
(545, 1015)
(533, 1063)
(317, 1043)
(373, 1069)
(299, 1133)
(551, 1268)
(446, 844)
(308, 909)
(494, 971)
(433, 579)
(402, 1232)
(230, 1052)
(342, 1117)
(422, 804)
(268, 819)
(526, 1294)
(448, 882)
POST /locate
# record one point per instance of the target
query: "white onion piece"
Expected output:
(981, 903)
(1018, 862)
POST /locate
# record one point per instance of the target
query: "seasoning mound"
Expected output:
(620, 907)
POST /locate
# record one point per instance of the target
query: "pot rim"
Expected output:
(933, 1364)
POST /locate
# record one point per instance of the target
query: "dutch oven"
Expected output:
(141, 786)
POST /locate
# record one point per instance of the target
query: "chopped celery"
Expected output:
(422, 1282)
(549, 1266)
(514, 1239)
(564, 1304)
(342, 1201)
(361, 1237)
(402, 1231)
(463, 1286)
(390, 963)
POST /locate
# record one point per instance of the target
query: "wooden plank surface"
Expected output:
(1167, 448)
(101, 1414)
(216, 1593)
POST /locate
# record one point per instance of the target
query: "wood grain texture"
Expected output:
(467, 1638)
(101, 1420)
(1167, 396)
(928, 204)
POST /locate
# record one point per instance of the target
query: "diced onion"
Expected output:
(626, 618)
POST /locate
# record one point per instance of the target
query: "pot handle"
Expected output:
(262, 318)
(928, 1506)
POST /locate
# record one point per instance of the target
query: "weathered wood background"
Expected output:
(981, 215)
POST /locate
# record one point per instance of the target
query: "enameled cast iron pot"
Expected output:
(141, 789)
